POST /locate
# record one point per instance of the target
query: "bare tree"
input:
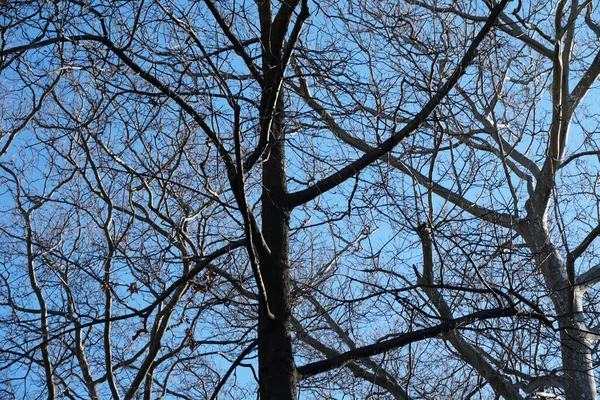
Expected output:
(224, 199)
(497, 192)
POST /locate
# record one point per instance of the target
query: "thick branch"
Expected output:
(505, 220)
(584, 85)
(378, 377)
(515, 31)
(350, 170)
(589, 278)
(402, 340)
(587, 241)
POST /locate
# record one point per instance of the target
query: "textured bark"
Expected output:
(578, 372)
(275, 359)
(277, 370)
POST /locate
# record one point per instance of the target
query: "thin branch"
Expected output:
(251, 229)
(238, 46)
(509, 26)
(232, 368)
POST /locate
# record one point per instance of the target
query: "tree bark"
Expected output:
(275, 359)
(575, 341)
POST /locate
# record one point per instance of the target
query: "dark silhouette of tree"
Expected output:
(361, 199)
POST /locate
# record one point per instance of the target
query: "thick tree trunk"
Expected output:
(277, 370)
(576, 350)
(578, 370)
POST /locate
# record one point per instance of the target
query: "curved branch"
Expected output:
(495, 217)
(232, 368)
(585, 83)
(303, 196)
(470, 353)
(587, 241)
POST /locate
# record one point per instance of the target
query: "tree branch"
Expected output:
(301, 197)
(238, 46)
(471, 354)
(495, 217)
(589, 278)
(378, 377)
(232, 368)
(587, 241)
(402, 340)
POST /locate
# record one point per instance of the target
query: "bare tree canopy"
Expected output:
(279, 200)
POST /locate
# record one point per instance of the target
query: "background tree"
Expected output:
(366, 199)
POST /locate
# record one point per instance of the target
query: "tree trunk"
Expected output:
(575, 343)
(277, 370)
(577, 363)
